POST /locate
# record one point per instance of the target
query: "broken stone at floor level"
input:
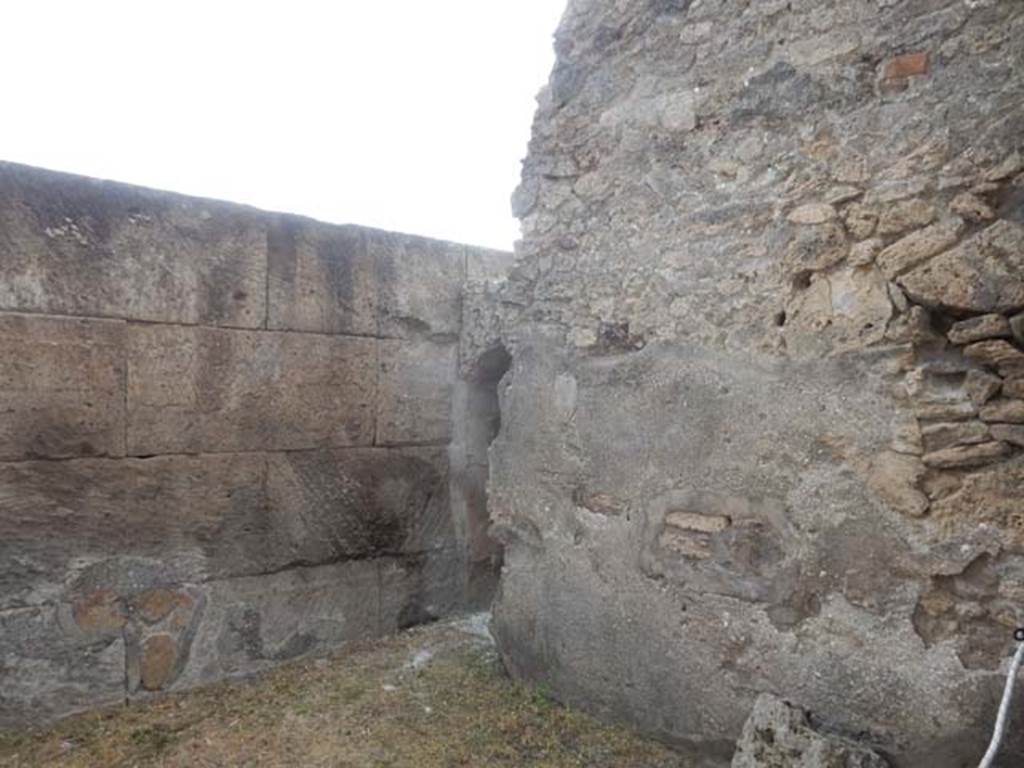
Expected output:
(779, 735)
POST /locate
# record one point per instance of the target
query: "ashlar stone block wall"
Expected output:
(226, 439)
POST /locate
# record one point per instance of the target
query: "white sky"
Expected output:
(409, 115)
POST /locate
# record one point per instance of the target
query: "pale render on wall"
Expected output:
(762, 428)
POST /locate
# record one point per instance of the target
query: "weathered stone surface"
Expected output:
(1014, 387)
(904, 215)
(938, 436)
(966, 609)
(184, 516)
(1011, 370)
(918, 247)
(273, 516)
(779, 735)
(851, 305)
(937, 381)
(895, 477)
(907, 65)
(421, 588)
(812, 213)
(321, 278)
(156, 604)
(253, 519)
(253, 623)
(982, 387)
(331, 505)
(163, 622)
(988, 497)
(99, 613)
(419, 284)
(985, 273)
(61, 387)
(741, 569)
(816, 248)
(861, 220)
(864, 253)
(159, 655)
(192, 390)
(1003, 409)
(487, 264)
(691, 346)
(946, 411)
(1009, 433)
(972, 208)
(415, 399)
(354, 280)
(1012, 165)
(233, 514)
(966, 455)
(995, 352)
(1017, 327)
(906, 437)
(76, 246)
(48, 668)
(978, 328)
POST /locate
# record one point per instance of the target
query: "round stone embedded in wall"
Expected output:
(100, 613)
(159, 654)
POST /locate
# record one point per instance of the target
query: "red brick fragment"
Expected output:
(907, 65)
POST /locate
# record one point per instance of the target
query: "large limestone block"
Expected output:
(94, 518)
(76, 246)
(347, 279)
(251, 624)
(254, 623)
(196, 517)
(321, 278)
(61, 387)
(200, 389)
(419, 284)
(333, 504)
(178, 570)
(416, 387)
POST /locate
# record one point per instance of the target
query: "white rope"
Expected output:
(1004, 708)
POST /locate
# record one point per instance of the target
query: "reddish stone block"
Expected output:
(159, 656)
(907, 65)
(99, 613)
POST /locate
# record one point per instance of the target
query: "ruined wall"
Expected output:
(224, 439)
(763, 425)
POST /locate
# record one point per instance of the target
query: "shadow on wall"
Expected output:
(481, 426)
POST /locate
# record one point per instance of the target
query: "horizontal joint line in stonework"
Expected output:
(256, 329)
(297, 565)
(253, 452)
(416, 444)
(381, 557)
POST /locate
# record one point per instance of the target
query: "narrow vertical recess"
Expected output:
(483, 423)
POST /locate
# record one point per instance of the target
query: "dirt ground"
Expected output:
(434, 696)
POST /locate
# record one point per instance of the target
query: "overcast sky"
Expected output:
(410, 115)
